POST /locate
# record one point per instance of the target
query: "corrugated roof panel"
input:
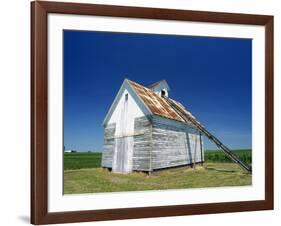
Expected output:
(158, 105)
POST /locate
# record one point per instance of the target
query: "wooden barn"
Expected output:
(144, 130)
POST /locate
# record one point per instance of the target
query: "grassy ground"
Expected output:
(82, 174)
(100, 180)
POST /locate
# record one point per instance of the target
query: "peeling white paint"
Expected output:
(124, 116)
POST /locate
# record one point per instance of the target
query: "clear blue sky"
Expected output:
(210, 76)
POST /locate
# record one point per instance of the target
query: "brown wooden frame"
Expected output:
(39, 107)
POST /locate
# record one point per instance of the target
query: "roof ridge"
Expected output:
(140, 85)
(156, 83)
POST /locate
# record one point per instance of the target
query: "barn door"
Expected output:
(123, 153)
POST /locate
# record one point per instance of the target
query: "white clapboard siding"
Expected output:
(157, 143)
(174, 144)
(109, 145)
(142, 145)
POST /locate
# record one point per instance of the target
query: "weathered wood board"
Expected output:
(142, 145)
(174, 144)
(109, 145)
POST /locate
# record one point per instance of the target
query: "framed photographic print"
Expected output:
(148, 112)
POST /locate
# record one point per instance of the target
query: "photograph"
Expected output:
(146, 111)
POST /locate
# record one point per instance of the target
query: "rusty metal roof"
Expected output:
(159, 105)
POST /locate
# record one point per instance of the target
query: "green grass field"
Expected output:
(218, 156)
(83, 174)
(81, 160)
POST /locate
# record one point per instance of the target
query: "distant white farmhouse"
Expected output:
(69, 151)
(144, 132)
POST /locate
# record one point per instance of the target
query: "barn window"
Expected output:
(163, 93)
(126, 97)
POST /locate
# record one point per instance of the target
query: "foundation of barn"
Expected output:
(155, 171)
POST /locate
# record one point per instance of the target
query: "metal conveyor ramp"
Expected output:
(188, 119)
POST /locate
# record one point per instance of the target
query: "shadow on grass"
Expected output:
(221, 170)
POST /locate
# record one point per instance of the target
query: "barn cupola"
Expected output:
(161, 88)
